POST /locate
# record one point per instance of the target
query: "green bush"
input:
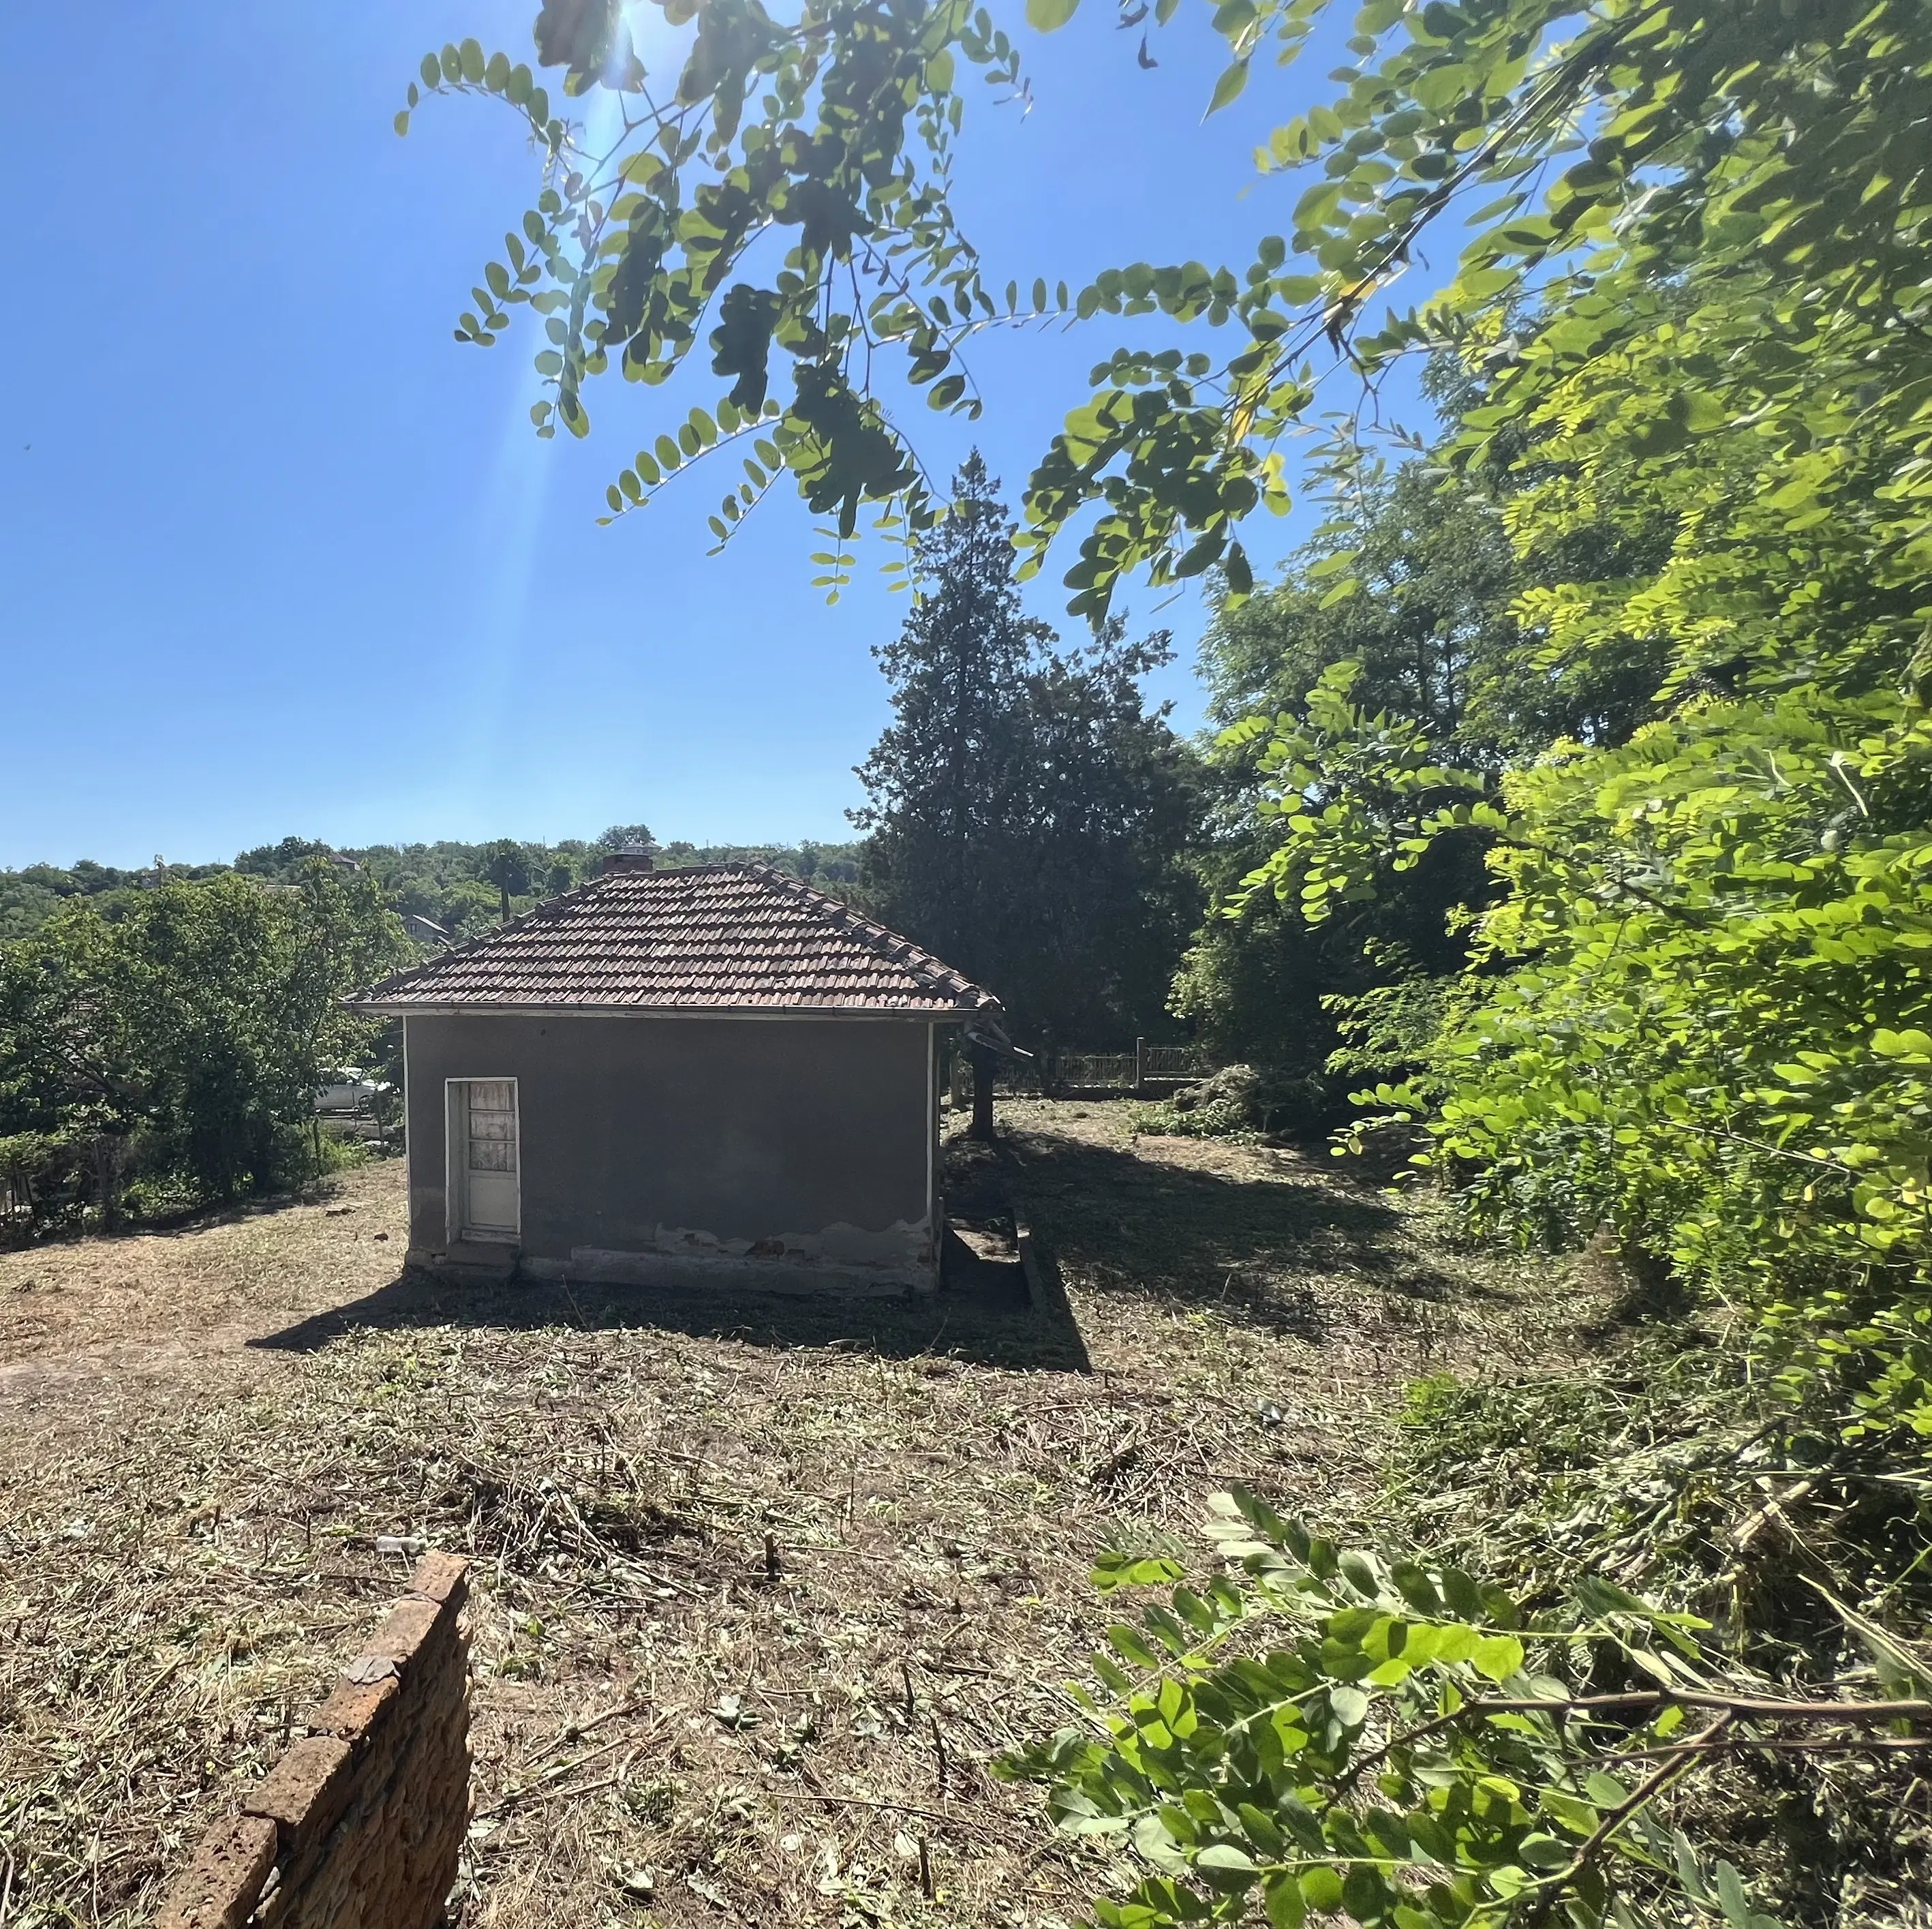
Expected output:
(1220, 1119)
(1239, 1102)
(177, 1048)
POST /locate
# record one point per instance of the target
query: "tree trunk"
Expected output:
(107, 1179)
(982, 1128)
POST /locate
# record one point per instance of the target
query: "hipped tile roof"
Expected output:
(712, 938)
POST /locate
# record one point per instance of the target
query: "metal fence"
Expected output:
(1147, 1070)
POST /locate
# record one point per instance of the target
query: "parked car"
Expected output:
(348, 1093)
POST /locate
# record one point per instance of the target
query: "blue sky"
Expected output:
(278, 554)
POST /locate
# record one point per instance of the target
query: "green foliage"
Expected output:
(451, 885)
(1670, 752)
(30, 896)
(1775, 143)
(188, 1034)
(1027, 815)
(1353, 898)
(1782, 1507)
(1696, 997)
(1218, 1118)
(631, 251)
(507, 865)
(1238, 1101)
(1428, 623)
(44, 1177)
(1722, 1022)
(627, 837)
(1413, 579)
(1397, 1031)
(1313, 1731)
(1363, 794)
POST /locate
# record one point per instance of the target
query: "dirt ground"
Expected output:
(808, 1567)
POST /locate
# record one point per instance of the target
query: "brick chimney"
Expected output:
(632, 857)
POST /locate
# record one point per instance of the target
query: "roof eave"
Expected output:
(376, 1008)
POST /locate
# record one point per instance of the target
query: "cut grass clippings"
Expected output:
(759, 1591)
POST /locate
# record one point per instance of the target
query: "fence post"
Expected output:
(1140, 1068)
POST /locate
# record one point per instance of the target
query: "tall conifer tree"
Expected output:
(1027, 811)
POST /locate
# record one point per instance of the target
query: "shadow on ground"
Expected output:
(1120, 1222)
(983, 1315)
(183, 1222)
(1261, 1244)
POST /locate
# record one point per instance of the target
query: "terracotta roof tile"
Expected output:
(713, 938)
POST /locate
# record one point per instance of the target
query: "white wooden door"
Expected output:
(488, 1111)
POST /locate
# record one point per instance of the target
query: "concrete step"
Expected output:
(475, 1261)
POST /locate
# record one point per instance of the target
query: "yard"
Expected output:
(759, 1592)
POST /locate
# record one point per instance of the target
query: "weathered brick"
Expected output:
(306, 1791)
(352, 1708)
(409, 1627)
(363, 1821)
(441, 1577)
(219, 1889)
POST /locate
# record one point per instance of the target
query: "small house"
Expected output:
(715, 1074)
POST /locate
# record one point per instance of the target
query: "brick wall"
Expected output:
(359, 1825)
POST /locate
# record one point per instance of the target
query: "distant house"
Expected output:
(715, 1074)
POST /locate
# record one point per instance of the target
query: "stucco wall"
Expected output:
(791, 1145)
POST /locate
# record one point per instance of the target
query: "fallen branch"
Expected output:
(860, 1801)
(1645, 1792)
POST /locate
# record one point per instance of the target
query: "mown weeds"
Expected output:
(760, 1592)
(1670, 1460)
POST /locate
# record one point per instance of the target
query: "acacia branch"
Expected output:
(1646, 1791)
(1747, 1707)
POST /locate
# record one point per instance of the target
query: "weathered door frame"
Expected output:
(456, 1156)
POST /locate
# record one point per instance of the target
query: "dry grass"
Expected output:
(759, 1591)
(88, 1304)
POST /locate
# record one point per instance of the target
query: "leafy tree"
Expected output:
(836, 129)
(444, 882)
(626, 836)
(190, 1033)
(1414, 579)
(1430, 629)
(945, 778)
(73, 1065)
(281, 859)
(1026, 813)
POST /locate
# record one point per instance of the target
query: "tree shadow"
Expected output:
(175, 1222)
(979, 1316)
(1120, 1222)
